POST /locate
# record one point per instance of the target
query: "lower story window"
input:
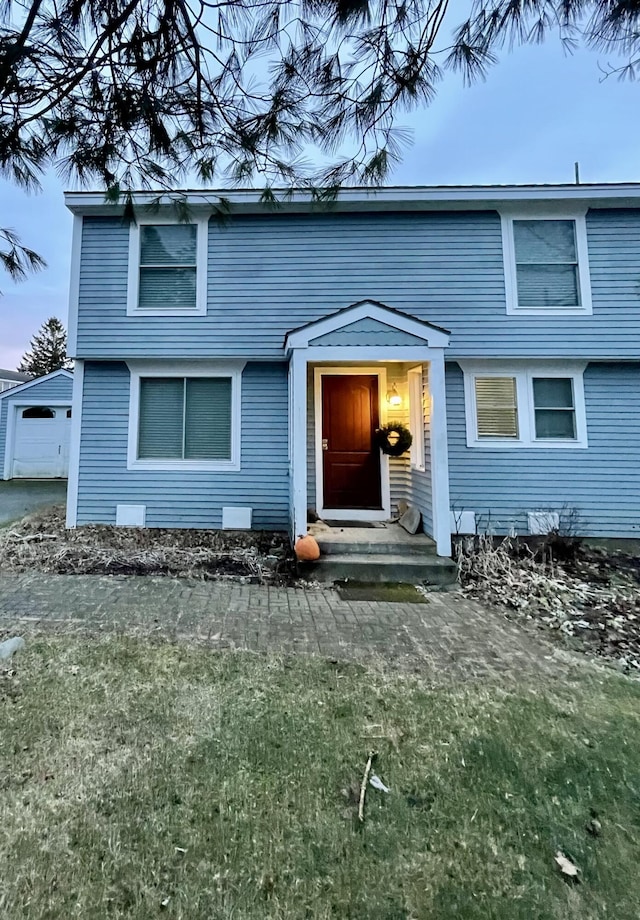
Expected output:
(496, 407)
(554, 408)
(185, 418)
(524, 407)
(185, 415)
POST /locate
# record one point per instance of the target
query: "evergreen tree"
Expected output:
(48, 351)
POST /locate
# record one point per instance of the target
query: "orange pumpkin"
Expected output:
(307, 549)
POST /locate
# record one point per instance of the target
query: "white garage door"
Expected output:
(41, 444)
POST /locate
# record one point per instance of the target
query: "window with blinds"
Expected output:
(168, 267)
(554, 408)
(496, 407)
(185, 418)
(546, 264)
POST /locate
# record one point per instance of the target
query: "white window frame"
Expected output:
(133, 285)
(232, 369)
(510, 270)
(524, 374)
(416, 418)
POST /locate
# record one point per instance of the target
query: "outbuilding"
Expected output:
(35, 427)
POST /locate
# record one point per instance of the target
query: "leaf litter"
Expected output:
(591, 597)
(40, 542)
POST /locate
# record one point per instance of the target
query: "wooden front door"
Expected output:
(350, 461)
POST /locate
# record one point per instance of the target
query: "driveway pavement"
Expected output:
(22, 496)
(449, 637)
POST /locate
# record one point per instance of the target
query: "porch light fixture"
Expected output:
(393, 397)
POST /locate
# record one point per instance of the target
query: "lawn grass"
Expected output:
(226, 783)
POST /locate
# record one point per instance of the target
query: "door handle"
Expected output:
(325, 443)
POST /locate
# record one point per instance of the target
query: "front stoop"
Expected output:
(377, 555)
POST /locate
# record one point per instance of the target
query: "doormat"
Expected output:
(354, 524)
(390, 591)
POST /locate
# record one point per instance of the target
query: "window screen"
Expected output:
(496, 407)
(168, 254)
(185, 418)
(555, 415)
(546, 263)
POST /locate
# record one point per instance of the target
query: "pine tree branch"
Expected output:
(15, 258)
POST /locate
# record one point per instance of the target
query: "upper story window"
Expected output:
(546, 264)
(167, 268)
(524, 405)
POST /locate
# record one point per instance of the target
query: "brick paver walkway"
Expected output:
(449, 636)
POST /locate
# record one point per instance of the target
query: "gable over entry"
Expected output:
(363, 342)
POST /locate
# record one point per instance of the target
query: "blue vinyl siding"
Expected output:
(271, 273)
(184, 499)
(367, 332)
(58, 388)
(601, 483)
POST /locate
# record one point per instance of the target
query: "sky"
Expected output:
(538, 112)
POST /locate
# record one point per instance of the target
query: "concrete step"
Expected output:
(420, 545)
(434, 570)
(391, 540)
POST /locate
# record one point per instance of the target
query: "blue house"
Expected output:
(231, 374)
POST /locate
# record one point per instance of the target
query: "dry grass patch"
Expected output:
(41, 543)
(140, 780)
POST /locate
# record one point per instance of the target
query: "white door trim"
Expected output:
(346, 514)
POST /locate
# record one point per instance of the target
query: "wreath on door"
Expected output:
(393, 440)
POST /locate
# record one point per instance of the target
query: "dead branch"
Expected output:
(365, 783)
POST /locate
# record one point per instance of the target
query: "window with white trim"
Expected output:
(525, 407)
(185, 418)
(554, 408)
(167, 268)
(416, 418)
(546, 264)
(181, 421)
(496, 407)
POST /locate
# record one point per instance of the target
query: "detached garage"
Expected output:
(35, 428)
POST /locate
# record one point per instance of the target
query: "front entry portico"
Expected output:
(339, 373)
